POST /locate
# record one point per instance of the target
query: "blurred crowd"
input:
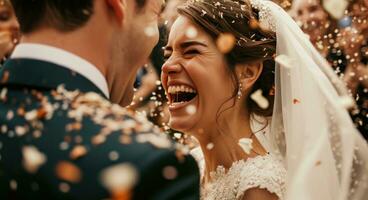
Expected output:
(337, 28)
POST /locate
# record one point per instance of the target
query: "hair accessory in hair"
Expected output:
(266, 19)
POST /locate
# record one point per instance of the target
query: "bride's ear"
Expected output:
(119, 8)
(248, 74)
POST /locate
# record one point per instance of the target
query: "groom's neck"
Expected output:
(79, 42)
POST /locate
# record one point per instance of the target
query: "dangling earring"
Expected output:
(240, 91)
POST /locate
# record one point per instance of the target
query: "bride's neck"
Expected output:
(219, 144)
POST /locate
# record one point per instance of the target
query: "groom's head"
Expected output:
(126, 29)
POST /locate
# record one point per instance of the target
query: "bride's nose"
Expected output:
(169, 68)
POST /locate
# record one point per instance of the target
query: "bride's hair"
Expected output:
(253, 44)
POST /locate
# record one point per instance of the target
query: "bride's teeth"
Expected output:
(182, 88)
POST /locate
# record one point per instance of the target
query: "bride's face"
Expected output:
(195, 78)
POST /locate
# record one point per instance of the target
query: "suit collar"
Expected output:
(64, 59)
(46, 75)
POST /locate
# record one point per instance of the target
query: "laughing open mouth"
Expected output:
(181, 94)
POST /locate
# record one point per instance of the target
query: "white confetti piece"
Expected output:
(246, 144)
(346, 102)
(32, 159)
(150, 31)
(261, 101)
(191, 109)
(191, 32)
(119, 177)
(284, 61)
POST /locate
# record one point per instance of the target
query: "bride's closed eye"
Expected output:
(190, 53)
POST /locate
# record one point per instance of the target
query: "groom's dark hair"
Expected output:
(64, 15)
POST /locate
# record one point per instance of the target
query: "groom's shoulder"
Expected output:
(87, 134)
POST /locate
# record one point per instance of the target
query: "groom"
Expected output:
(60, 136)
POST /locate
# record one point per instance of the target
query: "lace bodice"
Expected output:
(264, 172)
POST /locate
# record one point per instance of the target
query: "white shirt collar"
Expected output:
(63, 58)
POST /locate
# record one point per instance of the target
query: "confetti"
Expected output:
(155, 140)
(113, 155)
(169, 172)
(78, 152)
(346, 102)
(296, 101)
(246, 144)
(64, 187)
(253, 23)
(284, 61)
(3, 94)
(225, 42)
(31, 115)
(20, 130)
(33, 159)
(119, 177)
(191, 109)
(150, 31)
(67, 171)
(261, 101)
(191, 32)
(336, 8)
(210, 146)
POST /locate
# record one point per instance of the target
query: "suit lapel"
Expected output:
(42, 74)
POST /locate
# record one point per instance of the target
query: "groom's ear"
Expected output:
(248, 74)
(119, 8)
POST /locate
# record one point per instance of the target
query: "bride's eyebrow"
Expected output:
(192, 43)
(186, 45)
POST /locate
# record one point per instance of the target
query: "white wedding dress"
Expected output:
(265, 172)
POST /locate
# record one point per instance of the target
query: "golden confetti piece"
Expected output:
(32, 159)
(170, 172)
(77, 126)
(78, 152)
(125, 139)
(5, 77)
(120, 177)
(253, 24)
(122, 195)
(296, 101)
(98, 139)
(67, 171)
(225, 42)
(180, 155)
(261, 101)
(21, 112)
(246, 144)
(64, 187)
(41, 113)
(272, 91)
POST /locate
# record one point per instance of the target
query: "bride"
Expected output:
(268, 112)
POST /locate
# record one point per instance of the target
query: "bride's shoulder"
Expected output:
(265, 172)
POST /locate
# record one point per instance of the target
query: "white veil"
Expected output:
(311, 130)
